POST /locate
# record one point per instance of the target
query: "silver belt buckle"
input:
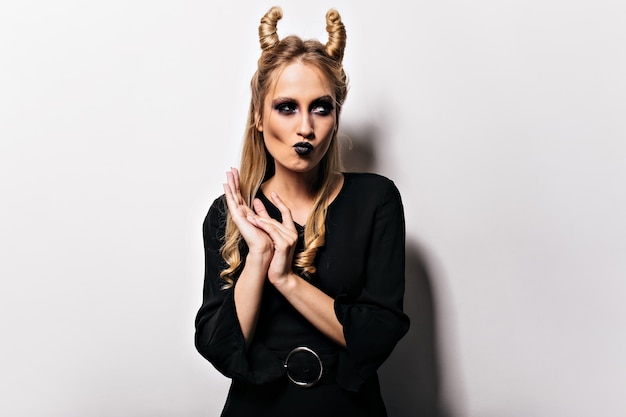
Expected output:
(300, 380)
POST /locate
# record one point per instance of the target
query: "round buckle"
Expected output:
(303, 373)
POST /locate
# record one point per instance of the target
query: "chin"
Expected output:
(302, 166)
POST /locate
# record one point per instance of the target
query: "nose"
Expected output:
(306, 127)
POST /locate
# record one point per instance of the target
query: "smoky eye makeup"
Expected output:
(322, 106)
(285, 106)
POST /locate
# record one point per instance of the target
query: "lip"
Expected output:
(303, 148)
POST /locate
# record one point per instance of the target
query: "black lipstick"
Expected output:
(303, 148)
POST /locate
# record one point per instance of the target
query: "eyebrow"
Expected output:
(290, 99)
(323, 98)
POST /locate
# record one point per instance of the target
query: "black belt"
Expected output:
(307, 368)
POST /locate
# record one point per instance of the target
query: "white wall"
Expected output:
(502, 122)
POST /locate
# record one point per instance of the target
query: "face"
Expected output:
(299, 117)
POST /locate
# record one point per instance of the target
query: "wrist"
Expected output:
(259, 258)
(287, 284)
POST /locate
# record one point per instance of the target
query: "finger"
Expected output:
(260, 209)
(263, 220)
(236, 178)
(233, 180)
(281, 235)
(232, 177)
(284, 211)
(230, 181)
(282, 240)
(236, 209)
(230, 200)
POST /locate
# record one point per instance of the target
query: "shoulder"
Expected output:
(218, 207)
(219, 203)
(367, 192)
(369, 182)
(367, 199)
(216, 217)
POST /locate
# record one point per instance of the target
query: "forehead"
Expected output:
(300, 80)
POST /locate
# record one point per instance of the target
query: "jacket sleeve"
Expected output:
(374, 321)
(218, 336)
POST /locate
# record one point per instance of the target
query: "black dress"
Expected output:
(361, 266)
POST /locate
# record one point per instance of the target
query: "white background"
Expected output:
(502, 123)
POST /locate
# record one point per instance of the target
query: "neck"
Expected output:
(297, 191)
(293, 186)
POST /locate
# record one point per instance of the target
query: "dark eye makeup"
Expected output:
(286, 107)
(322, 106)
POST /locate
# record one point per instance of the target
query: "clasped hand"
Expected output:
(266, 237)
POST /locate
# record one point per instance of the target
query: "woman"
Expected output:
(304, 274)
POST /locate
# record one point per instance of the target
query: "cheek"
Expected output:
(274, 127)
(273, 142)
(328, 145)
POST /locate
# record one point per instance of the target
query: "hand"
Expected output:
(258, 241)
(284, 237)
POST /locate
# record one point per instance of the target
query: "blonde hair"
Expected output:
(257, 165)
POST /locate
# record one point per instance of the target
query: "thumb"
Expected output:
(260, 209)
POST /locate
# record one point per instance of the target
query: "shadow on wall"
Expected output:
(410, 378)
